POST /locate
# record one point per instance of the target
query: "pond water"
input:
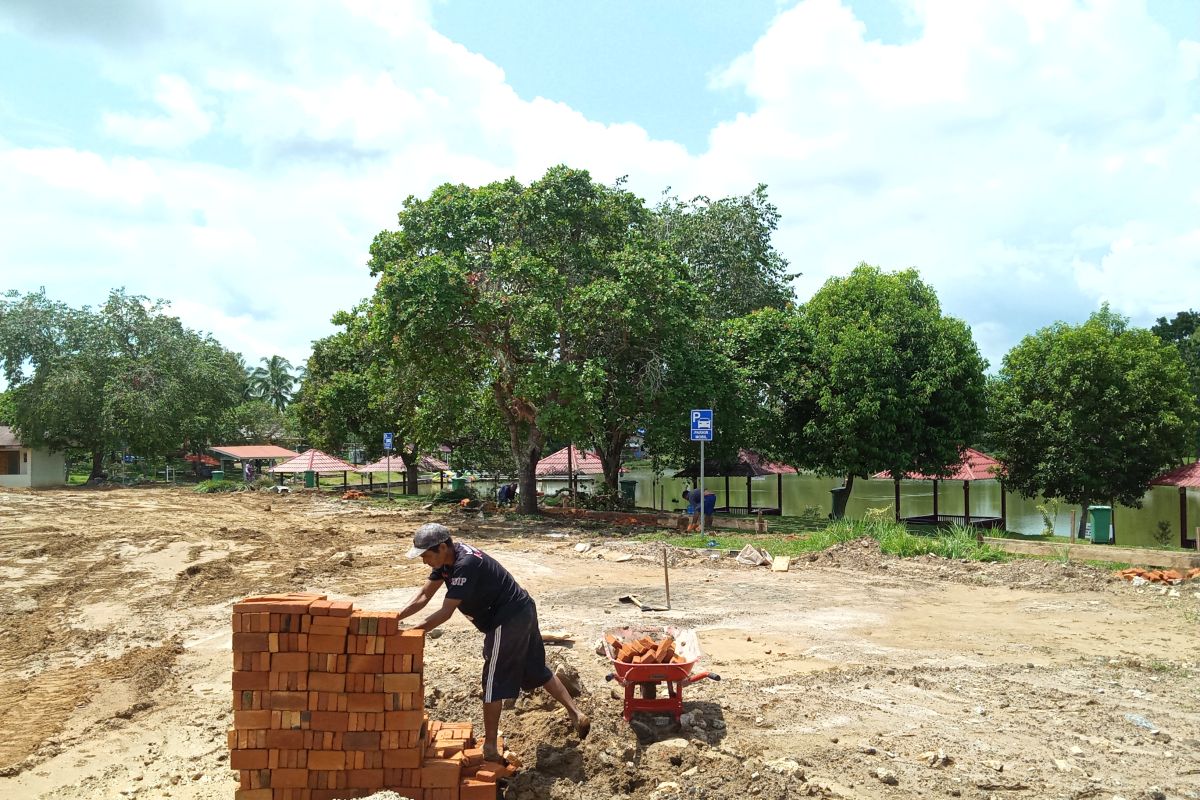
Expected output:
(1134, 527)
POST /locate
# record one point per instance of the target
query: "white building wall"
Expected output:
(39, 469)
(49, 469)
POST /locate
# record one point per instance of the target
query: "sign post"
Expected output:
(702, 431)
(387, 448)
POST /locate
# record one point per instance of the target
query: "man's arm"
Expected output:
(439, 616)
(421, 598)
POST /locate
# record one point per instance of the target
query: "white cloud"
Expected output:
(1031, 158)
(182, 122)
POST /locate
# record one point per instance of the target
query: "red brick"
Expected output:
(289, 779)
(409, 642)
(438, 773)
(476, 790)
(329, 721)
(285, 740)
(288, 701)
(326, 644)
(341, 608)
(402, 683)
(403, 720)
(248, 759)
(256, 681)
(251, 720)
(361, 740)
(365, 702)
(250, 642)
(409, 758)
(253, 794)
(326, 759)
(327, 682)
(289, 662)
(364, 778)
(362, 664)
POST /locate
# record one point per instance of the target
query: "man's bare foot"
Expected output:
(582, 724)
(490, 753)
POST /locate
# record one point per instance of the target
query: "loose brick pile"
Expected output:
(1170, 576)
(329, 703)
(645, 650)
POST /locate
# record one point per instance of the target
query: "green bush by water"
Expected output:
(894, 539)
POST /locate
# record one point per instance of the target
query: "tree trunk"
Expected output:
(97, 464)
(610, 459)
(1083, 520)
(411, 462)
(840, 499)
(527, 461)
(526, 440)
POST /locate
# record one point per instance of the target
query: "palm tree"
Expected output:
(273, 382)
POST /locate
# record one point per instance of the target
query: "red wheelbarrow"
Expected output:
(648, 676)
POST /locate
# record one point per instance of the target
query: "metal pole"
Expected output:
(701, 489)
(667, 575)
(389, 479)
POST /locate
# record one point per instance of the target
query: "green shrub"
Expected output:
(455, 495)
(210, 486)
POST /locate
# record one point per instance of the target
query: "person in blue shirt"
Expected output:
(514, 657)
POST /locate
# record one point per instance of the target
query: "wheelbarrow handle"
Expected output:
(610, 676)
(699, 676)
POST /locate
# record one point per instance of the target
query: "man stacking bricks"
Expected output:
(514, 657)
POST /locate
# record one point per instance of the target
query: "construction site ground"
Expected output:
(852, 675)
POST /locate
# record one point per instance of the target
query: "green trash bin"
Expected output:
(457, 483)
(629, 490)
(310, 479)
(1100, 518)
(218, 474)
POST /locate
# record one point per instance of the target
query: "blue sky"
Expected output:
(1033, 158)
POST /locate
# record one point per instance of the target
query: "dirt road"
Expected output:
(853, 675)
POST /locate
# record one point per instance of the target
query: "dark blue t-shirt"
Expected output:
(490, 595)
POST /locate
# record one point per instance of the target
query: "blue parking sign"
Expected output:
(702, 425)
(387, 441)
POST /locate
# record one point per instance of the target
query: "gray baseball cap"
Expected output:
(427, 537)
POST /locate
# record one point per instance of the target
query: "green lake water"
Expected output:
(1134, 527)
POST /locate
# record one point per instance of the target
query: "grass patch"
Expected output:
(894, 539)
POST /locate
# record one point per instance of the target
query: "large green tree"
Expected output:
(482, 281)
(868, 376)
(123, 376)
(1091, 412)
(1183, 331)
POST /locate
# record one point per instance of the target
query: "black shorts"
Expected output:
(514, 657)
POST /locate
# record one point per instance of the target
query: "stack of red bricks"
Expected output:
(329, 703)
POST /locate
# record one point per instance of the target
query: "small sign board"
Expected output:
(702, 425)
(387, 441)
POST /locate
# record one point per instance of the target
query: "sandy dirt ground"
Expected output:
(853, 675)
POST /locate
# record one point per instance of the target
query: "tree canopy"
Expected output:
(1183, 331)
(1092, 412)
(868, 376)
(482, 281)
(123, 376)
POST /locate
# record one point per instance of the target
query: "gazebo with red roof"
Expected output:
(316, 462)
(385, 464)
(1185, 477)
(974, 466)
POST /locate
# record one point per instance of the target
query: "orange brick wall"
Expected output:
(329, 703)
